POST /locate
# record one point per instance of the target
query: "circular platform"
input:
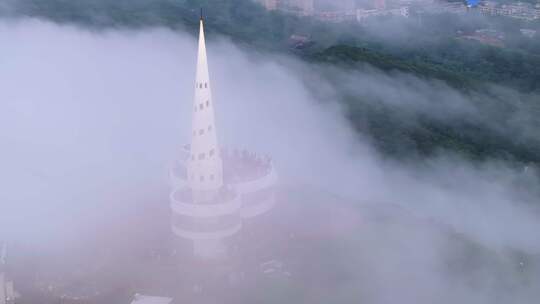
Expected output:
(250, 180)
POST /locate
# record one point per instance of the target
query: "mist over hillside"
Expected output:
(96, 103)
(499, 83)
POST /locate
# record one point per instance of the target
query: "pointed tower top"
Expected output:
(202, 18)
(205, 169)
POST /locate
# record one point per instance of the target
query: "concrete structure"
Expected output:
(205, 169)
(297, 7)
(363, 14)
(442, 7)
(487, 36)
(336, 16)
(215, 189)
(519, 10)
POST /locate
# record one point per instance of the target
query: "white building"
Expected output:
(215, 189)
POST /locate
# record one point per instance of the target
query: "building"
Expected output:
(336, 16)
(297, 7)
(486, 36)
(215, 189)
(363, 14)
(519, 10)
(442, 7)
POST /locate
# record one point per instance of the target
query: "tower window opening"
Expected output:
(212, 152)
(210, 128)
(201, 131)
(201, 106)
(202, 156)
(208, 103)
(206, 85)
(200, 86)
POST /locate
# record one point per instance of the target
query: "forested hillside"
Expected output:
(427, 47)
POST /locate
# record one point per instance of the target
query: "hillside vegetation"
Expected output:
(426, 47)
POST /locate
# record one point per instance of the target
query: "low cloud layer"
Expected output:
(90, 121)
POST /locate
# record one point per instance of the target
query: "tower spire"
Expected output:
(205, 168)
(206, 208)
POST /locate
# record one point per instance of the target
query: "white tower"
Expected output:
(209, 200)
(205, 169)
(204, 210)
